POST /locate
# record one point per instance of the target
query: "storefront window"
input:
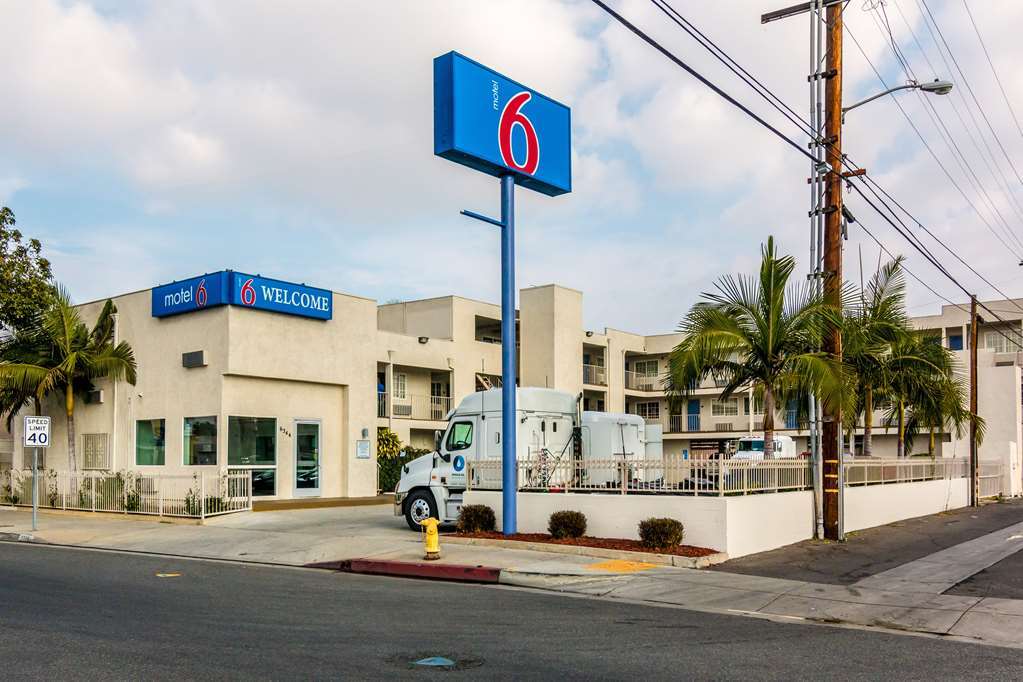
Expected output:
(200, 440)
(252, 443)
(150, 445)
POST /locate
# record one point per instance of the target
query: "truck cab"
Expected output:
(752, 448)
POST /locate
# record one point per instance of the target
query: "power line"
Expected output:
(973, 96)
(731, 100)
(1008, 102)
(933, 154)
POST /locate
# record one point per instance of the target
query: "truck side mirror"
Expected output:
(437, 436)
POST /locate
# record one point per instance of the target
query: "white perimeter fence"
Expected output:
(700, 477)
(199, 495)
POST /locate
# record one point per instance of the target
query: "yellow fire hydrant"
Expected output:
(431, 541)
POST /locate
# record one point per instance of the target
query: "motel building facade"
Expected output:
(244, 373)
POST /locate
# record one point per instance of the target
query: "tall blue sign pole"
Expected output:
(509, 465)
(495, 125)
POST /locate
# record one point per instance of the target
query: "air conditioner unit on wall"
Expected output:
(95, 397)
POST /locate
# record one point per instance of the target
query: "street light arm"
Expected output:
(907, 86)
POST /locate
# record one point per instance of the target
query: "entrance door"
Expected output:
(307, 458)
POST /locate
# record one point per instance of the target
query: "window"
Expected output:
(758, 406)
(150, 442)
(400, 382)
(725, 408)
(252, 445)
(645, 368)
(955, 342)
(94, 451)
(998, 342)
(200, 440)
(651, 410)
(460, 436)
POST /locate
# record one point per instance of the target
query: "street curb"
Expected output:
(596, 552)
(413, 569)
(17, 537)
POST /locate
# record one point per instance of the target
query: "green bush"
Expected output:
(661, 533)
(567, 524)
(476, 518)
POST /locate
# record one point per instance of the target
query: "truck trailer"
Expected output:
(555, 440)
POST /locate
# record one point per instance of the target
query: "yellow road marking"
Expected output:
(168, 575)
(620, 566)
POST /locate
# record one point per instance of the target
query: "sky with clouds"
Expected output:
(145, 141)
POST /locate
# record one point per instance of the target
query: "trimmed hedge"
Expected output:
(567, 524)
(661, 533)
(476, 518)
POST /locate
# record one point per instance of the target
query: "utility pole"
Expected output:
(832, 428)
(830, 451)
(974, 479)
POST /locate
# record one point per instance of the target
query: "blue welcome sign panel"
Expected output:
(253, 291)
(493, 124)
(249, 291)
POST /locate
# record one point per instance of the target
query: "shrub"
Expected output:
(567, 524)
(661, 533)
(476, 518)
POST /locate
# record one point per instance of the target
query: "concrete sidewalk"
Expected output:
(298, 538)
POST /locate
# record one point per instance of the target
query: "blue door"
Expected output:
(693, 415)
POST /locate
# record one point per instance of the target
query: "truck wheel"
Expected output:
(420, 506)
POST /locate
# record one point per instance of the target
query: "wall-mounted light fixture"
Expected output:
(589, 334)
(424, 339)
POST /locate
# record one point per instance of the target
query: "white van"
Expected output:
(752, 448)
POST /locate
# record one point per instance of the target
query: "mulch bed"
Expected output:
(601, 543)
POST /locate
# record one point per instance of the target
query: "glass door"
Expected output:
(307, 458)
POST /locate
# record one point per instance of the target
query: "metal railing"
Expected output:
(200, 495)
(696, 477)
(642, 382)
(594, 375)
(882, 471)
(431, 407)
(990, 477)
(381, 404)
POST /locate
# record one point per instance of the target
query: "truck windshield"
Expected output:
(751, 446)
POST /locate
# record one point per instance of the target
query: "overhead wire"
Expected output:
(734, 102)
(983, 45)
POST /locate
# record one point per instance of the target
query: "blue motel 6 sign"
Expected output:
(493, 124)
(248, 291)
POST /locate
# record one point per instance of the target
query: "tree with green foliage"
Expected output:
(874, 320)
(26, 285)
(62, 356)
(762, 332)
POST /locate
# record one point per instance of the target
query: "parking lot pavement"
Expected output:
(866, 553)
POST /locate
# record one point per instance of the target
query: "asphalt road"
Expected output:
(874, 550)
(80, 614)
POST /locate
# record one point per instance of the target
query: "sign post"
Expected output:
(37, 435)
(495, 125)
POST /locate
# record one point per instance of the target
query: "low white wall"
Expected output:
(617, 516)
(876, 505)
(757, 523)
(737, 525)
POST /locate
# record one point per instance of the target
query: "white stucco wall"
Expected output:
(737, 525)
(875, 505)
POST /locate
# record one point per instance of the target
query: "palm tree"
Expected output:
(872, 324)
(762, 332)
(925, 390)
(66, 357)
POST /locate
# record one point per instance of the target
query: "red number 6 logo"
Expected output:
(512, 116)
(248, 293)
(200, 294)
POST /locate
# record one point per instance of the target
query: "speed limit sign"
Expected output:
(37, 432)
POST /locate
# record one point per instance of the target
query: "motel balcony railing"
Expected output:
(426, 407)
(594, 375)
(642, 382)
(381, 404)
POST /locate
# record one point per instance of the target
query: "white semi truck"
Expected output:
(551, 431)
